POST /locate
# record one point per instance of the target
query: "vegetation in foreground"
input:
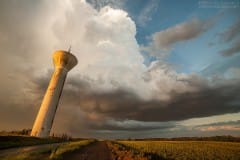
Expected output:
(185, 150)
(69, 147)
(20, 138)
(121, 152)
(50, 153)
(20, 141)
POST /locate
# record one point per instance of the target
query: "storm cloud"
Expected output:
(111, 110)
(123, 104)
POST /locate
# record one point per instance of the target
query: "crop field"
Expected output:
(92, 149)
(186, 150)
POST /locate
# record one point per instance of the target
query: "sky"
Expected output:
(156, 68)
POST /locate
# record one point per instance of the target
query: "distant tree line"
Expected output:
(226, 138)
(23, 132)
(27, 132)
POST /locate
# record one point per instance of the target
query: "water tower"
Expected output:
(63, 62)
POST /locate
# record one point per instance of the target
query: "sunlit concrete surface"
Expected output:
(63, 62)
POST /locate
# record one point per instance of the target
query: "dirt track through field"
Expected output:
(98, 150)
(101, 150)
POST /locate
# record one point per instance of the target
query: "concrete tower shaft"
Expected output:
(63, 62)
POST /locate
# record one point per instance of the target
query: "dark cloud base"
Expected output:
(124, 105)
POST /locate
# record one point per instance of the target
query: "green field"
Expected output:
(186, 150)
(20, 141)
(49, 152)
(70, 147)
